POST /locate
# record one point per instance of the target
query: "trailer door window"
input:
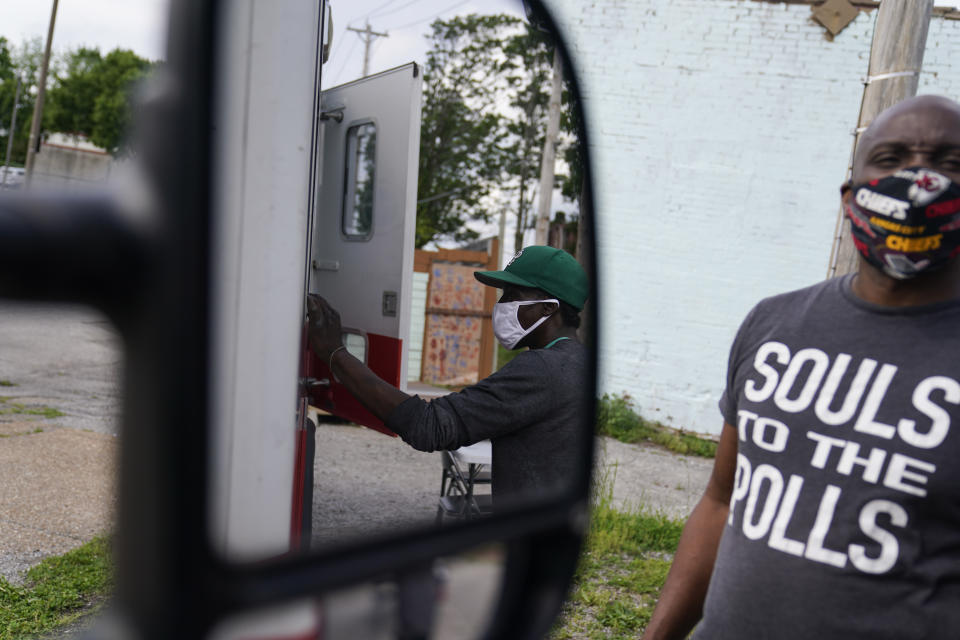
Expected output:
(359, 181)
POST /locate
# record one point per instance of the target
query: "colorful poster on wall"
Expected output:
(453, 325)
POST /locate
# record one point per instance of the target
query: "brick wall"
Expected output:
(721, 131)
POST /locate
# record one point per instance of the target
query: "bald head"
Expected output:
(923, 130)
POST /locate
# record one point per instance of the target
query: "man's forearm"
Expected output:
(681, 601)
(378, 396)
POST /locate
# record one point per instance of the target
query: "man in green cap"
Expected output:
(532, 409)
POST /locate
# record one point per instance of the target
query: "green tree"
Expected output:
(71, 99)
(8, 89)
(486, 92)
(92, 95)
(571, 183)
(530, 70)
(462, 131)
(22, 62)
(121, 71)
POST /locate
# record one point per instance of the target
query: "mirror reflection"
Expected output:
(441, 369)
(481, 435)
(359, 180)
(473, 356)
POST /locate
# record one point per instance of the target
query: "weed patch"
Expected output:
(620, 575)
(7, 383)
(15, 409)
(21, 433)
(617, 418)
(57, 591)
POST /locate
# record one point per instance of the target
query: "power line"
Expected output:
(372, 14)
(343, 62)
(436, 15)
(394, 10)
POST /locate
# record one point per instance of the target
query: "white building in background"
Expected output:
(71, 161)
(725, 129)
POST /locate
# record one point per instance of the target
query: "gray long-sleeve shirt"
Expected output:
(532, 410)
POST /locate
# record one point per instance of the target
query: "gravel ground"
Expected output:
(68, 358)
(368, 483)
(56, 473)
(651, 478)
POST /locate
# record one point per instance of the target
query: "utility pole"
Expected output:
(367, 35)
(584, 242)
(503, 237)
(41, 93)
(548, 161)
(896, 57)
(11, 131)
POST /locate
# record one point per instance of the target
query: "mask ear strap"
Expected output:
(532, 327)
(550, 300)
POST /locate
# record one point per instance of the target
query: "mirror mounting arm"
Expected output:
(69, 249)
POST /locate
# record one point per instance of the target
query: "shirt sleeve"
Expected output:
(516, 396)
(731, 394)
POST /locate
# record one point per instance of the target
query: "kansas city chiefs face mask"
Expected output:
(506, 324)
(908, 223)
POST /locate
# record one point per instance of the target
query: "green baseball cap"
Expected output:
(552, 270)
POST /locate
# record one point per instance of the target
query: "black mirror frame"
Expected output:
(152, 278)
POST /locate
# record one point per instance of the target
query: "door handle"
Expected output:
(326, 265)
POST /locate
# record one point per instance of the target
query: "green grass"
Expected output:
(21, 433)
(7, 383)
(56, 592)
(617, 418)
(16, 409)
(620, 575)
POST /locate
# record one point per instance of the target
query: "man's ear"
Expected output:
(846, 189)
(550, 308)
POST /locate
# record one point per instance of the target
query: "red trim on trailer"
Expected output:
(299, 469)
(313, 634)
(383, 358)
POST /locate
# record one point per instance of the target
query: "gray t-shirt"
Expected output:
(845, 515)
(532, 410)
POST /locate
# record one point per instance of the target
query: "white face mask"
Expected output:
(506, 324)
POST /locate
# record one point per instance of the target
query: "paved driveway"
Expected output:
(59, 407)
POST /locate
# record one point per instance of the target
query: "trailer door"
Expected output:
(363, 227)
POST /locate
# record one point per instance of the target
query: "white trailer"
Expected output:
(317, 192)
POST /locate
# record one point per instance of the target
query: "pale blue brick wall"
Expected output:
(722, 130)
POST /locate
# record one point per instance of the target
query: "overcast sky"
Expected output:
(406, 22)
(140, 25)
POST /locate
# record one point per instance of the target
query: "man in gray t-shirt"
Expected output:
(833, 510)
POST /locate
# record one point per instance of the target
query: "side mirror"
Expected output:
(180, 270)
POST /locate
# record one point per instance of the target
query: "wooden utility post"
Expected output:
(549, 159)
(896, 57)
(584, 257)
(367, 35)
(38, 105)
